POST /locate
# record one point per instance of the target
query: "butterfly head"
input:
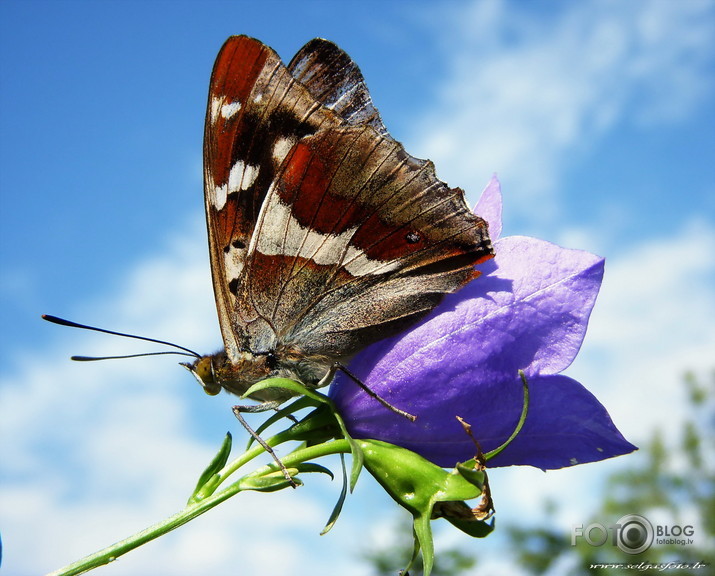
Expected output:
(216, 372)
(203, 370)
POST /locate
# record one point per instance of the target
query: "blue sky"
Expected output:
(598, 117)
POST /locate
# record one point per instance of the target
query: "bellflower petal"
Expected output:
(529, 311)
(489, 207)
(568, 426)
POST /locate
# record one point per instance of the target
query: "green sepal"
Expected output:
(422, 530)
(318, 427)
(415, 555)
(472, 473)
(204, 486)
(322, 425)
(358, 458)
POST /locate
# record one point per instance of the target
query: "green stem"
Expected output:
(307, 453)
(520, 423)
(111, 553)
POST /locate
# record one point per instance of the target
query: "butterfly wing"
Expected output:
(334, 80)
(256, 112)
(360, 239)
(325, 235)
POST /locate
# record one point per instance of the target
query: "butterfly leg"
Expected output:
(237, 410)
(337, 366)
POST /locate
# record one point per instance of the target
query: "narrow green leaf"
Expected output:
(270, 482)
(285, 383)
(341, 500)
(312, 467)
(218, 462)
(475, 528)
(423, 536)
(358, 458)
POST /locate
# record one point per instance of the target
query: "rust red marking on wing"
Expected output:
(304, 180)
(382, 242)
(225, 223)
(307, 186)
(329, 193)
(237, 68)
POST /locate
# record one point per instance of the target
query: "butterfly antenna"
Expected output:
(63, 322)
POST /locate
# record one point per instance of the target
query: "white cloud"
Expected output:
(526, 93)
(652, 323)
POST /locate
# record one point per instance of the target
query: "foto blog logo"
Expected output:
(632, 534)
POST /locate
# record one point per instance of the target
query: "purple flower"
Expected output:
(528, 311)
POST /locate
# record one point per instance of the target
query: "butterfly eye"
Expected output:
(203, 371)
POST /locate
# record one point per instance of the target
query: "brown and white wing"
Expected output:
(256, 112)
(356, 240)
(333, 79)
(324, 234)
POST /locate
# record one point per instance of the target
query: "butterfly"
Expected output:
(325, 235)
